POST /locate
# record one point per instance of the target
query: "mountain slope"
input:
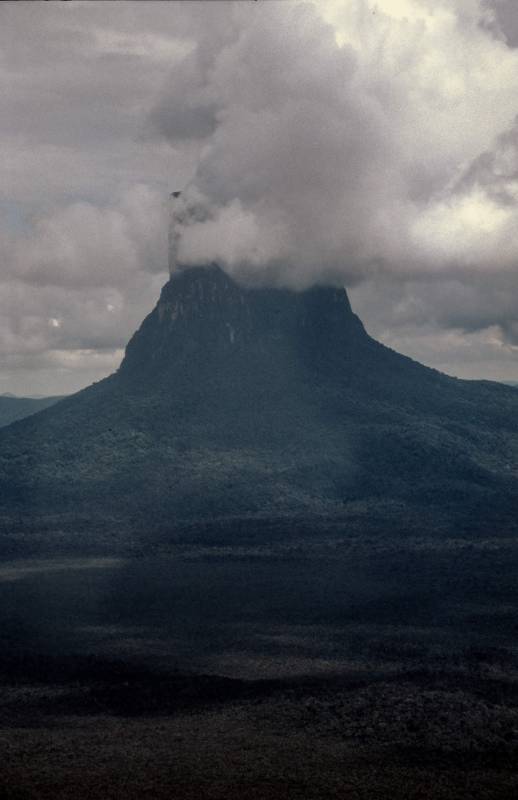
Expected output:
(235, 404)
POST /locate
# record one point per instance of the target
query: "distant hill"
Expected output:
(256, 412)
(13, 408)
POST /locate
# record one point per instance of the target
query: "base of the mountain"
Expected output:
(259, 414)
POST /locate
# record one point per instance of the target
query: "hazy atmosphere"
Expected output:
(266, 546)
(366, 143)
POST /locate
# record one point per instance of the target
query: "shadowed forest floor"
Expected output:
(370, 678)
(414, 736)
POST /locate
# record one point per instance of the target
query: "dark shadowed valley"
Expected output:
(377, 670)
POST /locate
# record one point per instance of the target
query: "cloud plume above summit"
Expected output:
(345, 140)
(371, 143)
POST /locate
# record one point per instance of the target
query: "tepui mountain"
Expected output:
(264, 410)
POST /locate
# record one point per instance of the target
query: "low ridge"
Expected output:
(13, 408)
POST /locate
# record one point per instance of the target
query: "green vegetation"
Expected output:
(378, 669)
(242, 408)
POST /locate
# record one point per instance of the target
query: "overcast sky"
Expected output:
(366, 143)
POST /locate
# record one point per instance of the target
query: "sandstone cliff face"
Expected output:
(204, 310)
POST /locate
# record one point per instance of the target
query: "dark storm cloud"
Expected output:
(346, 146)
(505, 19)
(315, 142)
(82, 189)
(323, 159)
(495, 171)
